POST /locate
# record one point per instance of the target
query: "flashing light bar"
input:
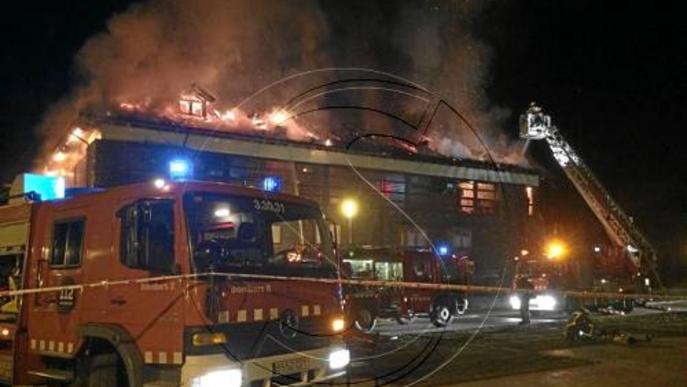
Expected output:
(180, 169)
(48, 187)
(271, 184)
(443, 250)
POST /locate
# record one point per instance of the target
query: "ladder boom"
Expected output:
(535, 125)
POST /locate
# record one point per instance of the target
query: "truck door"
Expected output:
(151, 311)
(419, 269)
(58, 257)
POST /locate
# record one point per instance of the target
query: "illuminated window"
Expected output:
(477, 197)
(192, 106)
(393, 187)
(530, 201)
(195, 102)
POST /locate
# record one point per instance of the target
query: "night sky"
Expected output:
(613, 74)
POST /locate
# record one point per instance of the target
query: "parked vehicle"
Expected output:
(150, 284)
(365, 304)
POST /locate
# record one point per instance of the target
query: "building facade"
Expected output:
(404, 202)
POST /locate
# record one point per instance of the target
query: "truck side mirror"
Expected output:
(333, 228)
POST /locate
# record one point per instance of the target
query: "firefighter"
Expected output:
(525, 286)
(10, 306)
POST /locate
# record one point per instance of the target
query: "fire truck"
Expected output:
(364, 305)
(628, 265)
(168, 283)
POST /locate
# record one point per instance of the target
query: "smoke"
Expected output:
(440, 38)
(232, 48)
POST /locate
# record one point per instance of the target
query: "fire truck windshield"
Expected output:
(243, 234)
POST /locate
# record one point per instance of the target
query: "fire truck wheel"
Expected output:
(106, 370)
(365, 320)
(441, 315)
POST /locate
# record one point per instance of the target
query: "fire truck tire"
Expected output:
(441, 315)
(105, 370)
(365, 320)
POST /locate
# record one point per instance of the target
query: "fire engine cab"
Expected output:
(171, 283)
(364, 305)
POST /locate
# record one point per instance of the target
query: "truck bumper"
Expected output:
(296, 369)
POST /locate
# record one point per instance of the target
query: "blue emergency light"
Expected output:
(48, 187)
(180, 169)
(271, 184)
(443, 250)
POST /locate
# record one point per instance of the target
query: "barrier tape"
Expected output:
(337, 281)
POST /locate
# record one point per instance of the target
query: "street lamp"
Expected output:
(556, 249)
(349, 209)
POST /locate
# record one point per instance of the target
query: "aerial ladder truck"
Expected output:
(629, 241)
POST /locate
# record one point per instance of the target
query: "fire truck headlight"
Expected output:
(546, 302)
(219, 378)
(338, 324)
(515, 302)
(339, 359)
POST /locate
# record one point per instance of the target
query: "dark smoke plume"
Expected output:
(232, 48)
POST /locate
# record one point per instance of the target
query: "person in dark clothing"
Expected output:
(525, 294)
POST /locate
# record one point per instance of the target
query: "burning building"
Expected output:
(405, 200)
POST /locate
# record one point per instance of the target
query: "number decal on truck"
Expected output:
(66, 299)
(268, 205)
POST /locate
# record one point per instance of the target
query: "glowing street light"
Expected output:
(556, 249)
(349, 209)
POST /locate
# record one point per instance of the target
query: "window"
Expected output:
(422, 269)
(477, 198)
(195, 102)
(257, 235)
(415, 238)
(147, 235)
(393, 187)
(530, 200)
(389, 271)
(67, 243)
(361, 268)
(462, 238)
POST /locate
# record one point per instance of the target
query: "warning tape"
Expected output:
(337, 281)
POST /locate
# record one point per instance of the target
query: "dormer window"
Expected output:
(195, 102)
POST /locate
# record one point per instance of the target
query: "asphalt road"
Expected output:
(506, 355)
(468, 321)
(472, 320)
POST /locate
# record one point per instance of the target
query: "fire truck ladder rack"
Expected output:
(535, 125)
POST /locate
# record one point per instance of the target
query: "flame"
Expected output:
(279, 117)
(59, 156)
(229, 116)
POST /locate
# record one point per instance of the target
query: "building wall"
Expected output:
(483, 220)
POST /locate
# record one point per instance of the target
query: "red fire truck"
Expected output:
(151, 285)
(548, 275)
(365, 305)
(629, 264)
